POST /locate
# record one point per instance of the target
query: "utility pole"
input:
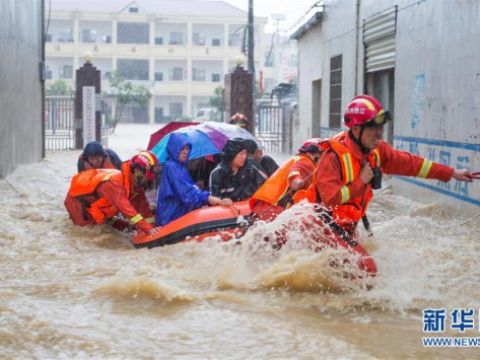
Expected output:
(251, 67)
(251, 59)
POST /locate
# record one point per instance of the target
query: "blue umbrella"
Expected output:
(202, 145)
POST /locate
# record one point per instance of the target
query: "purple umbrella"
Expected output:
(217, 138)
(207, 139)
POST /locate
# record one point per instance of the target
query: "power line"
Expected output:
(375, 14)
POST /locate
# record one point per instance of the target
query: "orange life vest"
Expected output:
(85, 183)
(276, 187)
(353, 209)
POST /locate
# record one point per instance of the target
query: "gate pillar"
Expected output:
(239, 95)
(86, 77)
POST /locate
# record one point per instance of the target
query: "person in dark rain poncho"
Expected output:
(178, 194)
(234, 177)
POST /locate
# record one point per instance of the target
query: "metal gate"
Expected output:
(273, 128)
(59, 122)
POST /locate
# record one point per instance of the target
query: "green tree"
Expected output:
(217, 101)
(59, 87)
(124, 92)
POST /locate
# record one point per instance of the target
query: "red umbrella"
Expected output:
(171, 126)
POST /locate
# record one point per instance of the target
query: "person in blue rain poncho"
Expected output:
(178, 194)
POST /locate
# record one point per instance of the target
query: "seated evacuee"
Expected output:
(355, 159)
(288, 184)
(200, 170)
(178, 194)
(95, 156)
(234, 177)
(264, 163)
(97, 195)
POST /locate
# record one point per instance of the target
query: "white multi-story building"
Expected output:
(179, 49)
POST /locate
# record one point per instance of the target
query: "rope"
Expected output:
(459, 224)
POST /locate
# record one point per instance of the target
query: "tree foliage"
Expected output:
(217, 101)
(125, 92)
(59, 87)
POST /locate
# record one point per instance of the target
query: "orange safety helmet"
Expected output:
(365, 110)
(311, 146)
(147, 162)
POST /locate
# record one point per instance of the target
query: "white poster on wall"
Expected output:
(88, 101)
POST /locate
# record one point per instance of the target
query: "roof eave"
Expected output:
(305, 26)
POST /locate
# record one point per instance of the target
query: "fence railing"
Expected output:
(273, 128)
(59, 122)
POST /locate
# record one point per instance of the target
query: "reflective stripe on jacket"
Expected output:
(352, 208)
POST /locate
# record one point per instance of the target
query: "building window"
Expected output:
(335, 110)
(158, 76)
(215, 77)
(176, 110)
(107, 39)
(198, 39)
(133, 33)
(133, 9)
(176, 38)
(66, 72)
(49, 73)
(198, 74)
(133, 69)
(216, 42)
(176, 74)
(159, 40)
(48, 38)
(89, 36)
(65, 36)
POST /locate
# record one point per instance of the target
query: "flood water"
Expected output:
(72, 292)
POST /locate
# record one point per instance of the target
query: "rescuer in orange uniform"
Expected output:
(288, 183)
(354, 161)
(97, 195)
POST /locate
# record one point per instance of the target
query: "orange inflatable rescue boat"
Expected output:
(232, 222)
(228, 222)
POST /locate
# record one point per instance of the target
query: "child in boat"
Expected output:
(234, 177)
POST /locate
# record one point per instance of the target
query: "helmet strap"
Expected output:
(363, 148)
(138, 175)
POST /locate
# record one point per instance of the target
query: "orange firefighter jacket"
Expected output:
(276, 190)
(337, 183)
(105, 192)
